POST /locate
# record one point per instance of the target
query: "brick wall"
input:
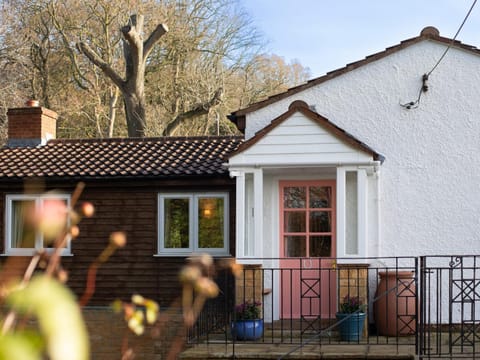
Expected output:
(109, 334)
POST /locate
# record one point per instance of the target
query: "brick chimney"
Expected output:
(31, 125)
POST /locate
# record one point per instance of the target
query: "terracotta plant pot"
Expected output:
(394, 309)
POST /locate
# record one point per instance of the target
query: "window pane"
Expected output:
(176, 219)
(54, 211)
(211, 223)
(295, 246)
(321, 246)
(23, 230)
(294, 197)
(320, 221)
(320, 197)
(295, 221)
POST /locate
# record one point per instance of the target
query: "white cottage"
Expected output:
(376, 159)
(379, 158)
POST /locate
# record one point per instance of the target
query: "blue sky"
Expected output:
(327, 34)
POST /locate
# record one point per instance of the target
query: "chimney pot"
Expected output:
(32, 103)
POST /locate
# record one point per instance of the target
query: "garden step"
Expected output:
(272, 351)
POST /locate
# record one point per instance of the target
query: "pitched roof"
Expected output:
(119, 158)
(302, 107)
(428, 33)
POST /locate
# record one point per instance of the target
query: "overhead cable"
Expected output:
(424, 87)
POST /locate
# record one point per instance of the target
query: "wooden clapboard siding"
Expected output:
(299, 139)
(130, 207)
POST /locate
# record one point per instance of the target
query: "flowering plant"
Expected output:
(249, 310)
(351, 304)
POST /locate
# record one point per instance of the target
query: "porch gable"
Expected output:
(302, 137)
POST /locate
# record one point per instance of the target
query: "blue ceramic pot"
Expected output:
(351, 329)
(247, 329)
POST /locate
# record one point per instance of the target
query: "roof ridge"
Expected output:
(427, 33)
(144, 139)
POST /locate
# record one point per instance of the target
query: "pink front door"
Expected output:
(307, 248)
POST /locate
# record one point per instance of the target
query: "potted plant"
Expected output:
(247, 322)
(351, 318)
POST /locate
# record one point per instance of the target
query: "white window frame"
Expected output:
(38, 198)
(193, 224)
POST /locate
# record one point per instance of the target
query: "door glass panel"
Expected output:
(321, 246)
(294, 221)
(176, 223)
(210, 223)
(294, 197)
(295, 246)
(320, 221)
(320, 197)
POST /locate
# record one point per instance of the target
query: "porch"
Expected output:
(436, 310)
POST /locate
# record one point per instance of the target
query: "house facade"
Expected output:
(373, 159)
(376, 159)
(411, 190)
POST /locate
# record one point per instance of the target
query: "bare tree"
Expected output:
(183, 83)
(136, 52)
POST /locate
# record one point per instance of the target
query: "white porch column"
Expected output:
(258, 212)
(362, 211)
(240, 213)
(341, 211)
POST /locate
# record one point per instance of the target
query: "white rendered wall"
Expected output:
(430, 180)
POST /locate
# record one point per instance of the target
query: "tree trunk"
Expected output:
(135, 113)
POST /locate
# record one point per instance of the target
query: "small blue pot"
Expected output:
(352, 328)
(247, 329)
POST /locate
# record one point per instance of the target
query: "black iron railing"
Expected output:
(449, 325)
(428, 306)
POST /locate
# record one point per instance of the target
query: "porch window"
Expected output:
(23, 236)
(191, 223)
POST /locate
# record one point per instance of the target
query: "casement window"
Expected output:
(193, 223)
(23, 234)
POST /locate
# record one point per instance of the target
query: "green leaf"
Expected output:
(58, 315)
(19, 347)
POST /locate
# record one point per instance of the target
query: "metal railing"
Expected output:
(428, 306)
(449, 325)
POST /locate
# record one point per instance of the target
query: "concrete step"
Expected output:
(277, 351)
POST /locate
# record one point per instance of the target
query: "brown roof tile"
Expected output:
(119, 158)
(428, 33)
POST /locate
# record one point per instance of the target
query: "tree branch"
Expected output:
(154, 37)
(78, 76)
(199, 109)
(98, 61)
(131, 34)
